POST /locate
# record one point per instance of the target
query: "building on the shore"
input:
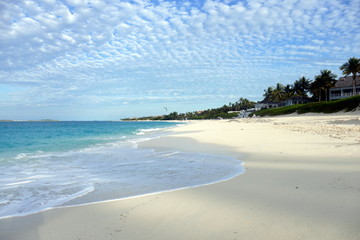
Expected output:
(344, 88)
(291, 101)
(266, 105)
(294, 101)
(246, 113)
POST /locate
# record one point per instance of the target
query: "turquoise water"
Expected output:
(53, 164)
(31, 137)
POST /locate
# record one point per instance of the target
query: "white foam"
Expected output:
(18, 183)
(102, 173)
(151, 130)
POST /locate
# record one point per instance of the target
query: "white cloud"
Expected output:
(145, 46)
(309, 4)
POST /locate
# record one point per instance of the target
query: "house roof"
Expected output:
(347, 82)
(267, 102)
(299, 99)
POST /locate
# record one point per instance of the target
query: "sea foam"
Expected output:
(37, 181)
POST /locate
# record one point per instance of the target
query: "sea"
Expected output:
(45, 165)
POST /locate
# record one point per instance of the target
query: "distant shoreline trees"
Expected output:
(226, 111)
(318, 89)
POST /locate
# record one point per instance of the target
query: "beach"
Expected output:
(301, 181)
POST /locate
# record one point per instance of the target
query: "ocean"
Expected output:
(44, 165)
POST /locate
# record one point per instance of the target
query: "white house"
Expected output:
(296, 100)
(344, 88)
(266, 105)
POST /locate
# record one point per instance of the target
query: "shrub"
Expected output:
(346, 104)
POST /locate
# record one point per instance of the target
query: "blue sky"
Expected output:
(109, 59)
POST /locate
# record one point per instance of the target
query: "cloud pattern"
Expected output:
(103, 52)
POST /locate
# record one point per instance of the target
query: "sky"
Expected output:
(110, 59)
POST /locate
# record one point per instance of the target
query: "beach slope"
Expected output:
(302, 181)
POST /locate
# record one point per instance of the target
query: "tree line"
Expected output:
(226, 111)
(318, 89)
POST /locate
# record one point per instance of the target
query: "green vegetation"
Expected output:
(352, 66)
(318, 90)
(215, 113)
(347, 104)
(322, 84)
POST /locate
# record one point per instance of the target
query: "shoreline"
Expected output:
(35, 186)
(227, 178)
(301, 181)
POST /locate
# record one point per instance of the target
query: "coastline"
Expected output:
(301, 182)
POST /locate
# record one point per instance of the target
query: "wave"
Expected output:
(34, 182)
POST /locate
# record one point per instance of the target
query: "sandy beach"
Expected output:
(302, 181)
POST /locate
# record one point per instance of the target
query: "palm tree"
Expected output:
(268, 93)
(275, 94)
(288, 91)
(278, 93)
(302, 86)
(322, 84)
(352, 66)
(316, 89)
(244, 104)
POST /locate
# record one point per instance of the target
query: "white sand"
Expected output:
(302, 181)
